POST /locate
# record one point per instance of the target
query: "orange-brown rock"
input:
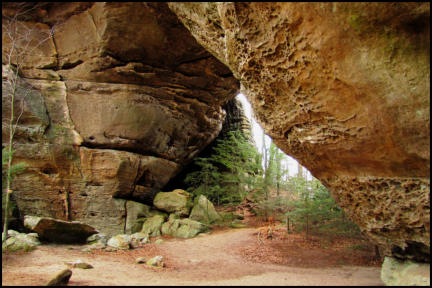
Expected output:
(344, 88)
(122, 97)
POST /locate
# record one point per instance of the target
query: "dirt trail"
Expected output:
(214, 259)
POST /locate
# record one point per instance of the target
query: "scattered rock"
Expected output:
(121, 241)
(137, 213)
(156, 261)
(110, 249)
(152, 226)
(79, 264)
(20, 241)
(177, 201)
(61, 279)
(12, 233)
(158, 241)
(95, 246)
(204, 211)
(55, 230)
(140, 260)
(97, 238)
(139, 238)
(405, 273)
(183, 228)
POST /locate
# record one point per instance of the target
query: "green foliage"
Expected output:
(8, 206)
(316, 211)
(228, 175)
(14, 169)
(276, 207)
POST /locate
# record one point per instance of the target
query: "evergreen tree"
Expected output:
(229, 173)
(315, 210)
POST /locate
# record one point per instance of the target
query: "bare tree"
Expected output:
(21, 40)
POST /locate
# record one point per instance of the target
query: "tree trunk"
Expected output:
(288, 226)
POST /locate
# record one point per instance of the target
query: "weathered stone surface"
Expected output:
(121, 241)
(204, 211)
(156, 261)
(55, 230)
(97, 238)
(119, 170)
(344, 88)
(182, 228)
(61, 278)
(139, 238)
(135, 216)
(177, 201)
(152, 226)
(405, 273)
(159, 105)
(79, 264)
(20, 241)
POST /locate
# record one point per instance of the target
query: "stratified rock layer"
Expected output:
(344, 88)
(122, 97)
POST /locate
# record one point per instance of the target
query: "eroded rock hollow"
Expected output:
(125, 95)
(344, 88)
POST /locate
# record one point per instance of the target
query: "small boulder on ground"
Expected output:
(20, 241)
(60, 279)
(139, 238)
(156, 261)
(121, 241)
(97, 238)
(79, 264)
(177, 201)
(95, 242)
(59, 231)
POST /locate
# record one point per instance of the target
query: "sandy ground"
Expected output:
(226, 257)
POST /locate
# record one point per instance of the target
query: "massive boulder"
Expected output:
(177, 201)
(204, 211)
(121, 98)
(59, 231)
(344, 88)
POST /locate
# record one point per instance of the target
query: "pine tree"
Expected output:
(229, 173)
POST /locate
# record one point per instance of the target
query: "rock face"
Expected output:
(204, 211)
(152, 225)
(405, 273)
(344, 88)
(178, 201)
(115, 111)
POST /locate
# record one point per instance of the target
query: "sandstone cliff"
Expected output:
(122, 97)
(344, 88)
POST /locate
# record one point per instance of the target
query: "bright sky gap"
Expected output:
(257, 133)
